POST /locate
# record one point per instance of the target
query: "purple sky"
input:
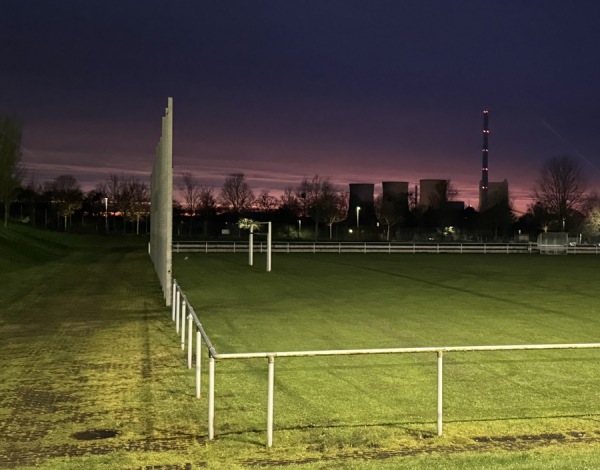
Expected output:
(361, 91)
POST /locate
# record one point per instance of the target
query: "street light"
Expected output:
(106, 214)
(299, 227)
(357, 216)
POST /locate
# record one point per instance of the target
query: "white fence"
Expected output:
(370, 247)
(183, 313)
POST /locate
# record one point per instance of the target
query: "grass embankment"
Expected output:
(86, 344)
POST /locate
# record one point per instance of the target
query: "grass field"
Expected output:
(87, 344)
(334, 301)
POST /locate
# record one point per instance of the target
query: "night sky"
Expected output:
(361, 91)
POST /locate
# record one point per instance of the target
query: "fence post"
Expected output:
(190, 342)
(183, 309)
(205, 247)
(440, 391)
(270, 395)
(365, 249)
(268, 247)
(211, 398)
(174, 298)
(198, 363)
(177, 311)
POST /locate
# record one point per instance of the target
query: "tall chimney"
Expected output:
(483, 184)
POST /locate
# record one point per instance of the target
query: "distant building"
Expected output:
(497, 192)
(430, 192)
(395, 197)
(361, 196)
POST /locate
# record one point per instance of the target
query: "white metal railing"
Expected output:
(370, 247)
(182, 311)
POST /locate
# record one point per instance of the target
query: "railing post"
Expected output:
(211, 398)
(190, 341)
(198, 363)
(440, 391)
(269, 246)
(174, 292)
(183, 309)
(206, 247)
(270, 400)
(177, 311)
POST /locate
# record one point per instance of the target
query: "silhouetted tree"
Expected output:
(315, 196)
(265, 202)
(207, 207)
(66, 196)
(191, 196)
(236, 195)
(336, 209)
(11, 170)
(387, 213)
(135, 198)
(560, 189)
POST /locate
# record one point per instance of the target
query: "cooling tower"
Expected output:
(395, 197)
(361, 195)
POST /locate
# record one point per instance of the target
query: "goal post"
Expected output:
(252, 225)
(553, 243)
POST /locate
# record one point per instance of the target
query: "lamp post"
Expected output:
(299, 227)
(357, 216)
(106, 214)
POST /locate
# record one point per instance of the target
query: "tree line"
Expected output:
(311, 209)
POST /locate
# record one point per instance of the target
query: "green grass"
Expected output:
(314, 302)
(86, 343)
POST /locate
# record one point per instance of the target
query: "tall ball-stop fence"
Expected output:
(161, 205)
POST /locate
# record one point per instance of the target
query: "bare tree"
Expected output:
(207, 205)
(11, 170)
(265, 202)
(191, 196)
(288, 201)
(560, 188)
(66, 196)
(336, 209)
(315, 196)
(387, 213)
(236, 194)
(135, 197)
